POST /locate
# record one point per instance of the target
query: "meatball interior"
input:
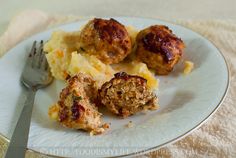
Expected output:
(125, 95)
(76, 107)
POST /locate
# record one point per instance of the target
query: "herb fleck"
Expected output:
(77, 98)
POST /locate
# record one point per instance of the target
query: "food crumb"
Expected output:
(53, 112)
(91, 133)
(145, 112)
(130, 124)
(188, 67)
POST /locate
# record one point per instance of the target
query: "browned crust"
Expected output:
(160, 39)
(110, 30)
(125, 76)
(159, 48)
(108, 40)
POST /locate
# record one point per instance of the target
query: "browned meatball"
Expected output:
(159, 48)
(125, 95)
(76, 107)
(108, 40)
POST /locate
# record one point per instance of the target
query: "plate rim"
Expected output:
(163, 144)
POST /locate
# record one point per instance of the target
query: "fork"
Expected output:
(36, 75)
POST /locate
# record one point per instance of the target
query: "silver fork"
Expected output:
(36, 75)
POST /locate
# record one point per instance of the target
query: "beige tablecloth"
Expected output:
(216, 138)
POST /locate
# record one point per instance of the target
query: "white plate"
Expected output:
(185, 102)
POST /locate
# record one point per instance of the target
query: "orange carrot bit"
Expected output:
(60, 53)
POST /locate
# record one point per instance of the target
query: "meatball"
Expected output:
(108, 40)
(76, 107)
(125, 95)
(159, 48)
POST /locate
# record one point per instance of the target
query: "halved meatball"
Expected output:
(76, 107)
(159, 48)
(125, 95)
(108, 40)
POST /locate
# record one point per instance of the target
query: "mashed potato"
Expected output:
(132, 32)
(65, 57)
(139, 69)
(59, 49)
(188, 67)
(90, 65)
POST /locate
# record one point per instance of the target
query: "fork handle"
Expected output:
(19, 139)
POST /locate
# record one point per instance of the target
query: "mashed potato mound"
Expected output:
(90, 65)
(65, 57)
(59, 49)
(139, 69)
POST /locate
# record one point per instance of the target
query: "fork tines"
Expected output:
(37, 57)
